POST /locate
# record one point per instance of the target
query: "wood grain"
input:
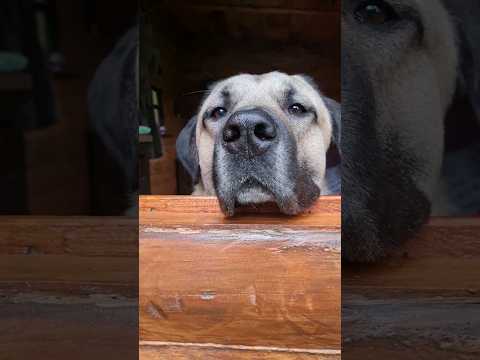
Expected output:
(68, 287)
(257, 279)
(205, 211)
(445, 254)
(69, 254)
(420, 303)
(33, 329)
(157, 350)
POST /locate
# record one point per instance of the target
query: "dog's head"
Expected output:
(402, 64)
(259, 138)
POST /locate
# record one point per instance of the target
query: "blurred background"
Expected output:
(52, 160)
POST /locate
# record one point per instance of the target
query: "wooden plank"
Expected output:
(69, 254)
(257, 279)
(420, 303)
(66, 328)
(65, 235)
(205, 211)
(68, 287)
(445, 253)
(183, 351)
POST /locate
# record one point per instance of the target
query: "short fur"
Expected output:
(291, 174)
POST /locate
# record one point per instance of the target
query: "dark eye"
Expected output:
(297, 109)
(218, 112)
(375, 12)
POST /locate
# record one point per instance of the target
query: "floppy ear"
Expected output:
(467, 23)
(187, 153)
(335, 110)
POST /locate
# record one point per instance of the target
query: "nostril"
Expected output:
(231, 133)
(264, 131)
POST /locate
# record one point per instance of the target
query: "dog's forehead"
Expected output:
(239, 86)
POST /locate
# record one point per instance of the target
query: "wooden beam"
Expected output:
(69, 254)
(71, 328)
(205, 211)
(420, 303)
(155, 350)
(257, 279)
(68, 287)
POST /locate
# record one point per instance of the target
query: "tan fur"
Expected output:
(250, 91)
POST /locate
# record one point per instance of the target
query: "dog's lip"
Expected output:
(254, 186)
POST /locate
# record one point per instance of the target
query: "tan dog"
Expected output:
(260, 138)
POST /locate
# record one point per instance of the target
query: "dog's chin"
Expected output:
(254, 194)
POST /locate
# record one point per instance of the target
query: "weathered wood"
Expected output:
(69, 254)
(68, 328)
(257, 279)
(68, 287)
(182, 351)
(443, 257)
(421, 303)
(200, 210)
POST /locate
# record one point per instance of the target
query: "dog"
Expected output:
(261, 138)
(405, 65)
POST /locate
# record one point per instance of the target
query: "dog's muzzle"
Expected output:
(255, 161)
(249, 133)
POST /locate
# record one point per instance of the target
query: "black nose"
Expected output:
(249, 132)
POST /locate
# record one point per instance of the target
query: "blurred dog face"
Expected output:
(399, 74)
(261, 138)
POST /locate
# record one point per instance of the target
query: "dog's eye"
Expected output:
(375, 12)
(297, 109)
(218, 112)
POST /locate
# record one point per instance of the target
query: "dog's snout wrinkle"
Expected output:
(249, 133)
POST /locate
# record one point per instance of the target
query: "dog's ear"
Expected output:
(187, 152)
(468, 37)
(335, 110)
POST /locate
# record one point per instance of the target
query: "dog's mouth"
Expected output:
(292, 191)
(253, 191)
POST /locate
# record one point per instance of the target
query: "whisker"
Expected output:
(197, 92)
